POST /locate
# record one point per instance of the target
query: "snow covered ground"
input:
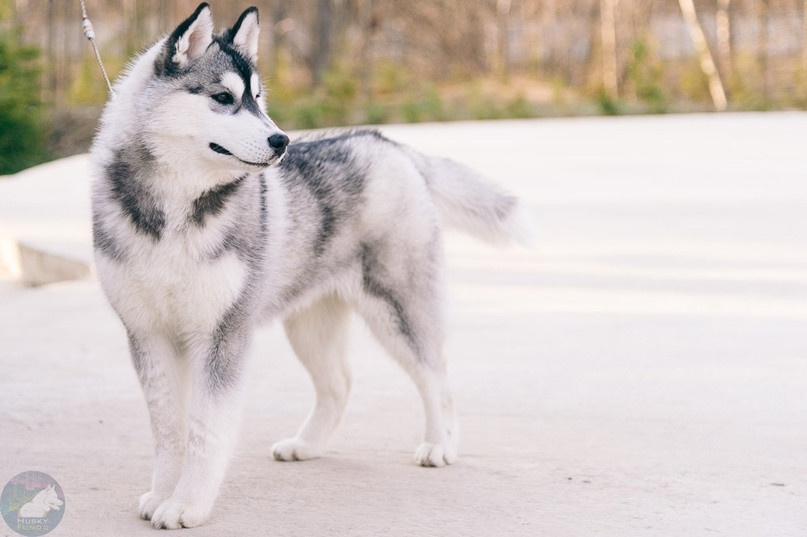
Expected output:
(642, 371)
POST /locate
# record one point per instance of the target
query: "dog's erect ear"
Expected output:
(244, 34)
(189, 41)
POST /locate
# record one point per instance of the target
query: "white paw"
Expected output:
(295, 449)
(435, 455)
(148, 504)
(172, 515)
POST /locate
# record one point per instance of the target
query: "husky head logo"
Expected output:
(43, 502)
(206, 97)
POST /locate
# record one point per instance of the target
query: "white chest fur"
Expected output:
(164, 286)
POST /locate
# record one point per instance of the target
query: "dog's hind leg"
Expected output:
(402, 305)
(318, 335)
(164, 381)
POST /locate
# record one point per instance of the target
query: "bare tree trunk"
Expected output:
(368, 28)
(804, 35)
(503, 8)
(51, 61)
(763, 49)
(608, 35)
(723, 23)
(128, 40)
(277, 34)
(322, 53)
(705, 56)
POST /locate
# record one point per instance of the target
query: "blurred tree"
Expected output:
(503, 10)
(609, 55)
(716, 89)
(762, 48)
(723, 30)
(22, 133)
(804, 35)
(322, 52)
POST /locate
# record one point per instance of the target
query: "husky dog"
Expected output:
(207, 221)
(44, 501)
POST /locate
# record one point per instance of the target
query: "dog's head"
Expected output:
(207, 96)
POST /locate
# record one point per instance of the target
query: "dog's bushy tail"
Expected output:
(473, 204)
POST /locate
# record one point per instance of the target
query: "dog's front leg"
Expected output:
(217, 370)
(164, 379)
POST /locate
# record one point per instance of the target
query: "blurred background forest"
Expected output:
(344, 62)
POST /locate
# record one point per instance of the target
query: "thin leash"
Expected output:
(89, 33)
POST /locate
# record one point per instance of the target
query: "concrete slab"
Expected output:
(45, 223)
(642, 372)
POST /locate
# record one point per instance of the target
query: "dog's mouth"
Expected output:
(218, 149)
(222, 151)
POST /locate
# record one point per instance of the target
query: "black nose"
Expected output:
(278, 142)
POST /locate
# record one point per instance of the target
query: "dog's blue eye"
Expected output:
(223, 98)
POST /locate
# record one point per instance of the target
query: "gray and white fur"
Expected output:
(207, 222)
